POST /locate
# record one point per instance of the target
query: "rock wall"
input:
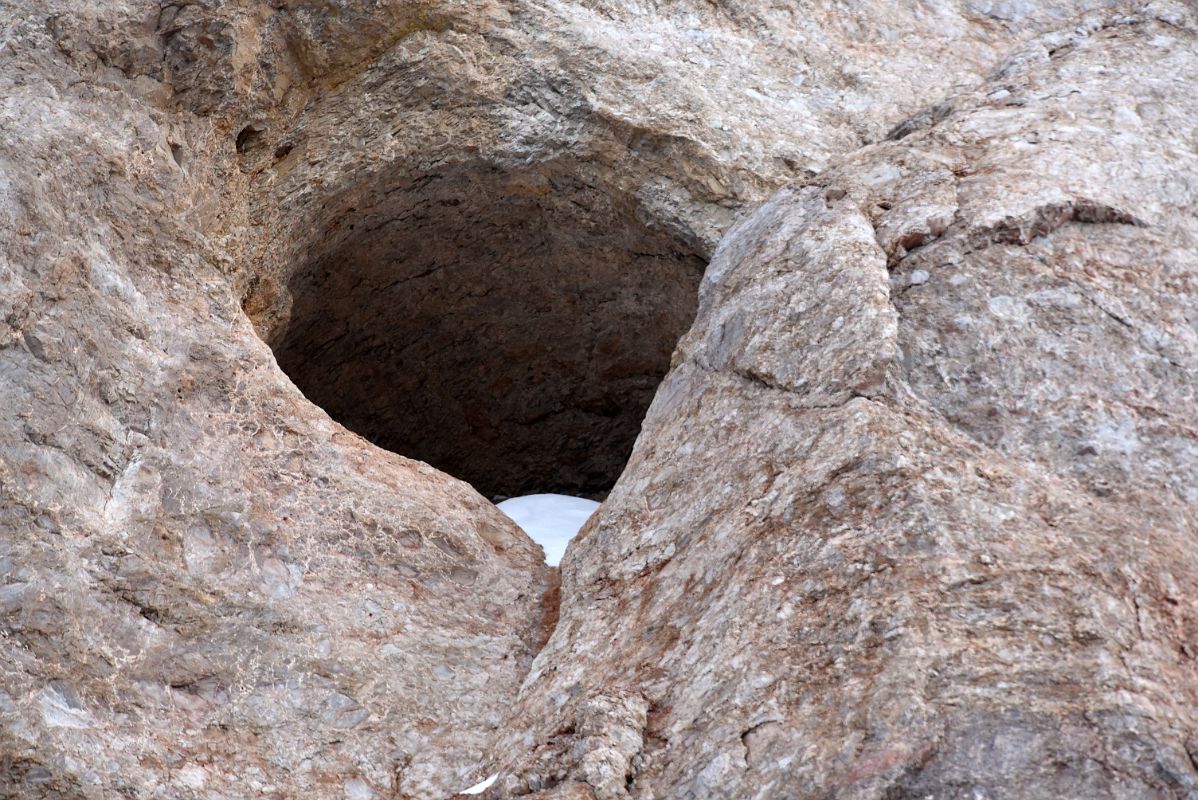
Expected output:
(912, 513)
(210, 589)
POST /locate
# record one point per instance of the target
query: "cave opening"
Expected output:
(509, 328)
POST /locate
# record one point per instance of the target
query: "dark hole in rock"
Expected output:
(509, 329)
(248, 137)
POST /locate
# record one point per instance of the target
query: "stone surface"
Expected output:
(912, 514)
(555, 177)
(210, 589)
(888, 538)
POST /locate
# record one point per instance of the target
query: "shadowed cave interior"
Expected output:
(509, 329)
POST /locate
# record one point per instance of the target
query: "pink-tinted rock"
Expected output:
(912, 513)
(885, 537)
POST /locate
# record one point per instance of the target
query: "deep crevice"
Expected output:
(508, 328)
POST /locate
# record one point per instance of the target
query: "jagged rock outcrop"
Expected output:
(912, 513)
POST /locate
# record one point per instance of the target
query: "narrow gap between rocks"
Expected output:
(507, 328)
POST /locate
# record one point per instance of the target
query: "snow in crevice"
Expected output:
(479, 788)
(550, 520)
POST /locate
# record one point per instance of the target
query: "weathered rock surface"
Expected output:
(555, 177)
(209, 588)
(913, 512)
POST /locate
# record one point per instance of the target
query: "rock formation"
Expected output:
(912, 514)
(953, 553)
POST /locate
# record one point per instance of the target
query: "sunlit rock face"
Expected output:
(913, 513)
(916, 485)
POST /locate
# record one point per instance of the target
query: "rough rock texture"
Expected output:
(913, 513)
(480, 248)
(208, 588)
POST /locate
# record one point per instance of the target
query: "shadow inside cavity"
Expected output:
(509, 329)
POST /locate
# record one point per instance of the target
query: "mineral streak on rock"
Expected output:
(912, 513)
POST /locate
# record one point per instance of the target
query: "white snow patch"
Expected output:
(479, 788)
(550, 520)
